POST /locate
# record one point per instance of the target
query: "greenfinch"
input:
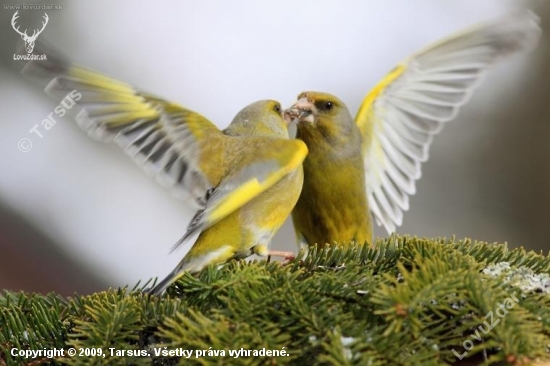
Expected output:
(248, 229)
(244, 180)
(371, 163)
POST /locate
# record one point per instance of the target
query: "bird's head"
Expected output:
(261, 118)
(320, 113)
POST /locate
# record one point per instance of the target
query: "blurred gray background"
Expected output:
(78, 215)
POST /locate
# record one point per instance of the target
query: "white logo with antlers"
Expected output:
(29, 40)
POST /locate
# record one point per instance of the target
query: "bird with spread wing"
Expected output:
(370, 164)
(243, 180)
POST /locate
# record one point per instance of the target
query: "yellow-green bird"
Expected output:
(257, 149)
(371, 163)
(245, 179)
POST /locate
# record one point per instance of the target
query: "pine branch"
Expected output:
(405, 301)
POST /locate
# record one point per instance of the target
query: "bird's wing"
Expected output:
(400, 116)
(180, 148)
(263, 162)
(165, 139)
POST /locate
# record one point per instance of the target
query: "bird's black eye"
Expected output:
(277, 108)
(324, 105)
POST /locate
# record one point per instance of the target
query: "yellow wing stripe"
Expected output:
(299, 155)
(115, 91)
(130, 118)
(238, 198)
(253, 188)
(365, 116)
(362, 115)
(100, 81)
(113, 97)
(125, 108)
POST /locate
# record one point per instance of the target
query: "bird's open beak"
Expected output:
(302, 111)
(293, 114)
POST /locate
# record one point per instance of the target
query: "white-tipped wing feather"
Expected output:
(160, 136)
(400, 116)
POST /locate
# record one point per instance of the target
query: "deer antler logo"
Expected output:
(29, 41)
